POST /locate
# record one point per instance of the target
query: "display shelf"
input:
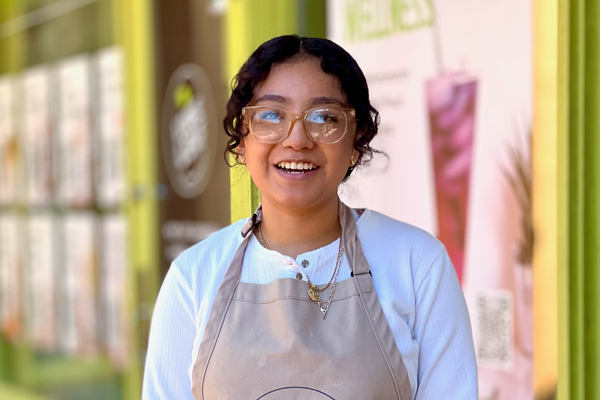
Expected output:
(12, 392)
(62, 371)
(24, 372)
(25, 368)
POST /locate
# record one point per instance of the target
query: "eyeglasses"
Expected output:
(272, 124)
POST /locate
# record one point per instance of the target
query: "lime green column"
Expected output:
(579, 196)
(6, 53)
(12, 57)
(564, 370)
(134, 31)
(592, 201)
(15, 358)
(249, 23)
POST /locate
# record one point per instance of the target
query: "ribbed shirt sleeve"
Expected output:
(171, 339)
(447, 367)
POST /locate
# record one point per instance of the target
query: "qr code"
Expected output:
(494, 329)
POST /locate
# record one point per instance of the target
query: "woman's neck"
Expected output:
(292, 232)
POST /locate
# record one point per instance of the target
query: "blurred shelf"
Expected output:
(11, 392)
(59, 372)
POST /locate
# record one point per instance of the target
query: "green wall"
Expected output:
(579, 199)
(249, 24)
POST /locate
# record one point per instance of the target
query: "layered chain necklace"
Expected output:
(313, 290)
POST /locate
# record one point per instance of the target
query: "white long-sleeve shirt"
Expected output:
(412, 274)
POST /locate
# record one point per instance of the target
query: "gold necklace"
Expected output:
(313, 290)
(261, 238)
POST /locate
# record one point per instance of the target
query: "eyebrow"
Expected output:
(271, 97)
(317, 100)
(328, 100)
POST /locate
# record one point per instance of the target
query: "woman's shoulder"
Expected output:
(377, 226)
(220, 245)
(402, 247)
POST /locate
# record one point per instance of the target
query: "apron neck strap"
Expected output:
(252, 222)
(352, 248)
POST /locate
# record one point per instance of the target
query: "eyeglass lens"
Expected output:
(324, 125)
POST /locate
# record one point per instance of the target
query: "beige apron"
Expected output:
(271, 341)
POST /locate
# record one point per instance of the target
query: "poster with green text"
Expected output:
(453, 85)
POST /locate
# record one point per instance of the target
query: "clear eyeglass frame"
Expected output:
(249, 111)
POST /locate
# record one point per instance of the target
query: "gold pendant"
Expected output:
(313, 293)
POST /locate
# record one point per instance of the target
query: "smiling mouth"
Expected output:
(293, 167)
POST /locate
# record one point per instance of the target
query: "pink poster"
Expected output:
(78, 284)
(113, 283)
(40, 281)
(37, 136)
(9, 144)
(453, 85)
(110, 172)
(11, 267)
(74, 133)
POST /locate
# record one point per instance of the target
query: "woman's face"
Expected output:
(297, 86)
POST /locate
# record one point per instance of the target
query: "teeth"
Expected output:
(293, 165)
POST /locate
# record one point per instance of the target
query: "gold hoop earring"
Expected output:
(353, 161)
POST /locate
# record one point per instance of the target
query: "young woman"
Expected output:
(309, 299)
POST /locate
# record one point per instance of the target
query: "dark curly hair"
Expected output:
(334, 60)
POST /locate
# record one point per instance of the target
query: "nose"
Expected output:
(298, 138)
